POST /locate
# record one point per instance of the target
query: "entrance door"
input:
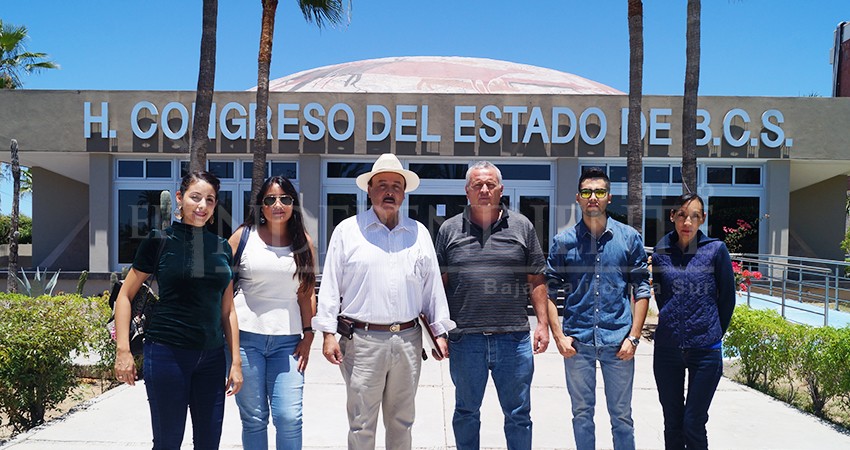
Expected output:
(433, 209)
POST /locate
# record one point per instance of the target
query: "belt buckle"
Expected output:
(395, 328)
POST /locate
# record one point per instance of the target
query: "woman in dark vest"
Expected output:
(184, 360)
(695, 291)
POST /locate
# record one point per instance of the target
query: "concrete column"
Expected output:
(101, 196)
(566, 210)
(774, 229)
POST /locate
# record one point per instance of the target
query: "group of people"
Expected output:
(383, 280)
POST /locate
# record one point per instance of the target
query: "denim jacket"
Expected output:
(695, 292)
(596, 275)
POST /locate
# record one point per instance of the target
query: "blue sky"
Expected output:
(749, 47)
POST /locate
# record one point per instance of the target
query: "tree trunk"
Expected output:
(261, 141)
(206, 86)
(11, 285)
(689, 100)
(634, 161)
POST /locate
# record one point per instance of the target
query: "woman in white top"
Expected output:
(275, 301)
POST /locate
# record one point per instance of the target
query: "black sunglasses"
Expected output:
(285, 200)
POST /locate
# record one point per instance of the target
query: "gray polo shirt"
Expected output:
(488, 271)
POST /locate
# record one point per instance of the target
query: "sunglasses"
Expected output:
(285, 200)
(599, 193)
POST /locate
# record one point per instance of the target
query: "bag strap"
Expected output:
(243, 240)
(163, 239)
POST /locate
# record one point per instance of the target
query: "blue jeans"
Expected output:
(272, 383)
(685, 418)
(618, 376)
(509, 358)
(177, 379)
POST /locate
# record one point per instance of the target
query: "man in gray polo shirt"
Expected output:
(492, 265)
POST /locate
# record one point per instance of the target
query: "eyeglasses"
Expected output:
(285, 200)
(599, 193)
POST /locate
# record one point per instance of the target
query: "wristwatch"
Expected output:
(308, 330)
(634, 340)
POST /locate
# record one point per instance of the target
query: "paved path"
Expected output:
(741, 418)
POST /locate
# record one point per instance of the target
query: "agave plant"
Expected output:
(39, 286)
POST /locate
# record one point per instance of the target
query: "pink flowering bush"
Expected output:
(735, 235)
(743, 277)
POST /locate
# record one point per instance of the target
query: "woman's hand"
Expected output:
(302, 351)
(234, 380)
(125, 367)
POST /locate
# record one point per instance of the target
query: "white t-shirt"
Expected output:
(266, 301)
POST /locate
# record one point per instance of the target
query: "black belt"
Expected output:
(395, 327)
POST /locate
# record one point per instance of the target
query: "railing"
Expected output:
(786, 281)
(837, 291)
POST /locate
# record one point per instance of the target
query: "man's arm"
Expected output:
(539, 301)
(563, 342)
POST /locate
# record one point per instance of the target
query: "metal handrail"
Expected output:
(838, 268)
(785, 269)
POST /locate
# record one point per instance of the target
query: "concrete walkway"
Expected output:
(741, 418)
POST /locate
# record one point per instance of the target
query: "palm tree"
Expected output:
(15, 60)
(689, 102)
(320, 12)
(634, 159)
(206, 86)
(11, 285)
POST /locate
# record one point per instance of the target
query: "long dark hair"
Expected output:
(305, 268)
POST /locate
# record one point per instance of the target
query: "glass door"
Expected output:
(433, 209)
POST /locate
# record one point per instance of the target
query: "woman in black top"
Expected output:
(184, 360)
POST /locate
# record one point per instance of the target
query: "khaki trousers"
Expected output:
(381, 370)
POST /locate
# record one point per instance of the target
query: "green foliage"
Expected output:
(39, 286)
(771, 350)
(823, 364)
(755, 336)
(37, 338)
(24, 229)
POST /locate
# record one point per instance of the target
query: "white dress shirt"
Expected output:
(382, 276)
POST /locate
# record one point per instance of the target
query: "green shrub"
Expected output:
(37, 339)
(823, 364)
(759, 339)
(24, 228)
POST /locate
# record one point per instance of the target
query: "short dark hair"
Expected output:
(594, 172)
(685, 198)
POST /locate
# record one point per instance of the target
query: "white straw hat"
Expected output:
(389, 163)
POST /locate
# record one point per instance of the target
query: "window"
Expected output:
(525, 172)
(348, 169)
(748, 175)
(719, 175)
(224, 170)
(618, 174)
(656, 174)
(158, 169)
(131, 169)
(440, 171)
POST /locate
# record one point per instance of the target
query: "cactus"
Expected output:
(165, 208)
(81, 282)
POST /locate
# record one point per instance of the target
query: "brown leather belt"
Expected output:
(395, 327)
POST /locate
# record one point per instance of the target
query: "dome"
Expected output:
(438, 75)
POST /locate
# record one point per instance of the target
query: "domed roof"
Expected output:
(438, 75)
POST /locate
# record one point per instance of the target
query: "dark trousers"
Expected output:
(685, 418)
(178, 379)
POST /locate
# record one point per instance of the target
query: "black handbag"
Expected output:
(142, 307)
(141, 310)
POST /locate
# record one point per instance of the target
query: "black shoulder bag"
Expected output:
(141, 306)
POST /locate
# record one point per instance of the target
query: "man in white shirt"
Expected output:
(381, 272)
